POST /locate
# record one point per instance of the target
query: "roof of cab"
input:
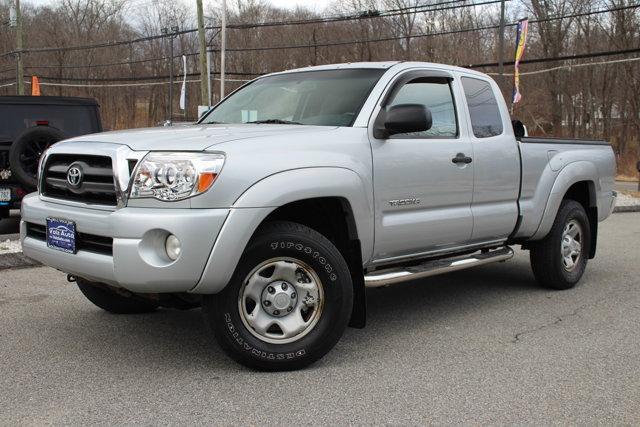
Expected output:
(47, 100)
(400, 65)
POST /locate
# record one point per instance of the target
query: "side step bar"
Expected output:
(394, 275)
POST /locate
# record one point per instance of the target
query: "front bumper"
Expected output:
(138, 236)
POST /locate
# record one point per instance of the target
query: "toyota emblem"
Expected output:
(74, 176)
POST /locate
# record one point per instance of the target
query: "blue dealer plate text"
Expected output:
(61, 235)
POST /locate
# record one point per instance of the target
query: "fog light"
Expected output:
(173, 247)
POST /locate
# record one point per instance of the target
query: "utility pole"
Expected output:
(501, 44)
(223, 47)
(19, 65)
(209, 85)
(204, 82)
(172, 33)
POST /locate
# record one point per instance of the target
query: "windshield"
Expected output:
(322, 98)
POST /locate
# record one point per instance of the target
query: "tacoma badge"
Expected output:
(404, 202)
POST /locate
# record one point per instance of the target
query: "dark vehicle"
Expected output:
(28, 126)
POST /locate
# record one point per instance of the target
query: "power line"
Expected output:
(130, 84)
(367, 14)
(546, 70)
(331, 44)
(421, 35)
(561, 58)
(571, 66)
(238, 26)
(471, 66)
(121, 79)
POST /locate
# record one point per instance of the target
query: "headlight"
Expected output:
(175, 176)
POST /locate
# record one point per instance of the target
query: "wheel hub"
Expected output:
(571, 245)
(279, 298)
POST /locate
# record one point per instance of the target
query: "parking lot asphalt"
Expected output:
(482, 346)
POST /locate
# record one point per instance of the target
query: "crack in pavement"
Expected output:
(558, 320)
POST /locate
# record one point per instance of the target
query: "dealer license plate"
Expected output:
(61, 235)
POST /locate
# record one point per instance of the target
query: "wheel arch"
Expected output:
(577, 181)
(286, 196)
(333, 218)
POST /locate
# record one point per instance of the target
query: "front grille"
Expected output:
(84, 242)
(97, 183)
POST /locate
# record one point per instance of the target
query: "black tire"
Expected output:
(293, 241)
(26, 150)
(546, 255)
(110, 300)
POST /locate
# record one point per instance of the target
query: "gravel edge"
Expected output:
(619, 209)
(16, 260)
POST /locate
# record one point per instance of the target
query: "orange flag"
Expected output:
(35, 86)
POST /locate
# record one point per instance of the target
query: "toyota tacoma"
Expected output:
(302, 188)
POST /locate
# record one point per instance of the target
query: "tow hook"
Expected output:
(71, 278)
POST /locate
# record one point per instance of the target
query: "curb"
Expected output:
(16, 260)
(619, 209)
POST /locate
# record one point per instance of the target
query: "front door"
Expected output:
(423, 192)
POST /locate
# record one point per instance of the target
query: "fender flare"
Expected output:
(258, 201)
(572, 173)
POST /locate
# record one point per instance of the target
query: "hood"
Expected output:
(193, 137)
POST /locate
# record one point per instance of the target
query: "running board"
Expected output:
(394, 275)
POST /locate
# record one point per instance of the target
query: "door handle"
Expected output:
(461, 158)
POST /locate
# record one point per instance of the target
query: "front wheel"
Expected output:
(560, 259)
(288, 302)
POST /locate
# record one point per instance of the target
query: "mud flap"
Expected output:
(359, 311)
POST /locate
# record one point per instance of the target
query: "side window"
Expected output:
(436, 95)
(483, 108)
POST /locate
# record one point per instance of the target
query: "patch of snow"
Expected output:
(10, 246)
(626, 200)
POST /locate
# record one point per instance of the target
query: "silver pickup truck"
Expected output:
(301, 189)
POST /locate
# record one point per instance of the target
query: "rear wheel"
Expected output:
(288, 302)
(113, 300)
(560, 259)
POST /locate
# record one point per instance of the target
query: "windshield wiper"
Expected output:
(274, 122)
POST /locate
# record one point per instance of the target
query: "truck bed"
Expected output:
(544, 160)
(551, 140)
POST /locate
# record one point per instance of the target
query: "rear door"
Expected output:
(496, 161)
(422, 198)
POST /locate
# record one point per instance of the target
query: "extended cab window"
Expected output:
(435, 93)
(322, 98)
(483, 108)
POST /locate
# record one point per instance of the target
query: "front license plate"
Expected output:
(5, 194)
(61, 235)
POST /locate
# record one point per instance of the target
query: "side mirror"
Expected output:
(404, 118)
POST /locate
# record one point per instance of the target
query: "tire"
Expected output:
(551, 266)
(108, 299)
(293, 254)
(26, 150)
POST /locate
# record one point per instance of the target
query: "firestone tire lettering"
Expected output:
(307, 250)
(256, 352)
